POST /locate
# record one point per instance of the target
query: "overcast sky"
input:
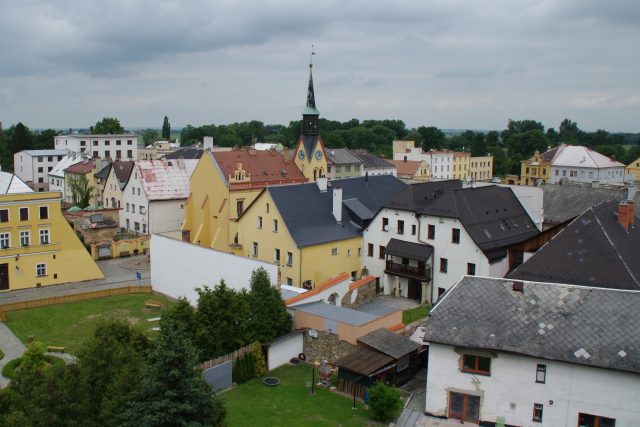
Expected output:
(452, 64)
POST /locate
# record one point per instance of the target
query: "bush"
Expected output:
(1, 355)
(260, 363)
(384, 401)
(245, 369)
(10, 369)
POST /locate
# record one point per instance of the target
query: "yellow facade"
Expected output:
(481, 168)
(461, 165)
(112, 195)
(634, 168)
(91, 180)
(38, 246)
(259, 237)
(534, 169)
(313, 165)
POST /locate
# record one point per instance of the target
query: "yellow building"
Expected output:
(536, 168)
(117, 178)
(310, 155)
(481, 168)
(223, 184)
(412, 170)
(461, 165)
(37, 245)
(634, 168)
(87, 169)
(313, 231)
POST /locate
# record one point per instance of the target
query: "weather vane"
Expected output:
(311, 57)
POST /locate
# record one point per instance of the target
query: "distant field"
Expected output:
(68, 325)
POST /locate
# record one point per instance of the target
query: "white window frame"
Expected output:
(25, 236)
(42, 233)
(5, 240)
(41, 270)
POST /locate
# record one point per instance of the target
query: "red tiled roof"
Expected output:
(406, 167)
(263, 167)
(81, 168)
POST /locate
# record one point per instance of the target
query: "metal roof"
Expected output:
(389, 343)
(364, 362)
(400, 248)
(583, 157)
(68, 160)
(341, 156)
(582, 325)
(165, 179)
(33, 153)
(336, 313)
(11, 184)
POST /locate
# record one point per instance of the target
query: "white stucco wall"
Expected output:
(178, 268)
(134, 195)
(609, 175)
(510, 391)
(23, 166)
(340, 288)
(166, 215)
(74, 143)
(285, 348)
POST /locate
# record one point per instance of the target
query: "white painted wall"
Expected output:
(441, 165)
(572, 388)
(35, 168)
(166, 215)
(380, 171)
(23, 166)
(608, 175)
(105, 144)
(133, 197)
(340, 288)
(178, 268)
(285, 348)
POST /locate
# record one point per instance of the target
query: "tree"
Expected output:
(568, 132)
(108, 125)
(478, 145)
(166, 129)
(432, 137)
(384, 401)
(269, 316)
(182, 314)
(172, 392)
(80, 190)
(149, 136)
(258, 357)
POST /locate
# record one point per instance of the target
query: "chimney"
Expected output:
(322, 184)
(631, 209)
(337, 204)
(181, 162)
(207, 143)
(631, 191)
(286, 155)
(623, 215)
(518, 286)
(405, 158)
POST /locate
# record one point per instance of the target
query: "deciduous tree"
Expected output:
(108, 125)
(166, 129)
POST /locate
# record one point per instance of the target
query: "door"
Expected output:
(465, 407)
(4, 276)
(414, 289)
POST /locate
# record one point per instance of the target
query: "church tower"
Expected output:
(310, 155)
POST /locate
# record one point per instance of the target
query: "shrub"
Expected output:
(384, 401)
(245, 369)
(12, 367)
(260, 363)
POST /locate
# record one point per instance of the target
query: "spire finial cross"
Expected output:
(311, 57)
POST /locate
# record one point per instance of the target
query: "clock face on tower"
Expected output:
(318, 155)
(301, 155)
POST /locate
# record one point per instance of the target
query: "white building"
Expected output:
(33, 166)
(534, 354)
(56, 176)
(581, 164)
(154, 197)
(431, 234)
(441, 164)
(122, 147)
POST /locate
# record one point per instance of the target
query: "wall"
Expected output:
(112, 191)
(351, 333)
(319, 265)
(74, 143)
(326, 346)
(125, 247)
(338, 285)
(359, 292)
(284, 349)
(134, 198)
(481, 168)
(177, 268)
(23, 166)
(511, 390)
(165, 215)
(609, 175)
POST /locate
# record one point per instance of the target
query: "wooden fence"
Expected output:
(231, 356)
(63, 299)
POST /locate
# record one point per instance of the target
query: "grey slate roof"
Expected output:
(416, 197)
(54, 152)
(587, 326)
(565, 202)
(308, 213)
(104, 172)
(389, 343)
(186, 153)
(336, 313)
(593, 250)
(342, 156)
(371, 161)
(309, 141)
(411, 250)
(364, 362)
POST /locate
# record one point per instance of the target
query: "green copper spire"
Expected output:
(310, 109)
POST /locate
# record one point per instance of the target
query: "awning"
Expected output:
(364, 362)
(417, 251)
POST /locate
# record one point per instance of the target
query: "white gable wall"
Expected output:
(510, 391)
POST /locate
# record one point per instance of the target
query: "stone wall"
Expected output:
(326, 346)
(360, 295)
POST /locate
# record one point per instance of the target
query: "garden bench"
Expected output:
(55, 348)
(152, 304)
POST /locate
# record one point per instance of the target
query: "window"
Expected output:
(443, 265)
(96, 154)
(465, 407)
(347, 168)
(4, 215)
(107, 154)
(40, 169)
(557, 172)
(130, 154)
(41, 270)
(39, 159)
(541, 373)
(239, 207)
(385, 224)
(334, 251)
(289, 259)
(44, 236)
(275, 225)
(83, 143)
(138, 191)
(431, 232)
(276, 255)
(359, 252)
(455, 235)
(267, 207)
(129, 141)
(25, 238)
(564, 172)
(126, 207)
(4, 240)
(259, 222)
(413, 230)
(475, 364)
(133, 208)
(118, 154)
(400, 227)
(24, 214)
(289, 281)
(133, 191)
(141, 210)
(95, 143)
(586, 420)
(381, 253)
(44, 212)
(254, 249)
(144, 228)
(370, 249)
(471, 269)
(136, 226)
(537, 412)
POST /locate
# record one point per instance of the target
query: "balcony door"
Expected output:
(464, 407)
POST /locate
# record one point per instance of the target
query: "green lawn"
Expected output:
(413, 314)
(291, 403)
(68, 325)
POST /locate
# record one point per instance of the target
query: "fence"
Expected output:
(63, 299)
(231, 356)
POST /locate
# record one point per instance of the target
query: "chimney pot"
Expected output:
(322, 184)
(623, 215)
(518, 286)
(337, 204)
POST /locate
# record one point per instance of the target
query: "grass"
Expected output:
(68, 325)
(413, 314)
(9, 369)
(291, 403)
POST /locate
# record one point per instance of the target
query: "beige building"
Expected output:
(117, 179)
(461, 165)
(634, 168)
(412, 170)
(481, 168)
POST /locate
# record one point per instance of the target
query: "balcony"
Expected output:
(413, 272)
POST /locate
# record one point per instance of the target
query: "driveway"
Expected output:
(12, 348)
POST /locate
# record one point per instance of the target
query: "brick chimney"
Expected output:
(623, 214)
(631, 212)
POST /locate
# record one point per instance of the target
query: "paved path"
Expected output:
(12, 348)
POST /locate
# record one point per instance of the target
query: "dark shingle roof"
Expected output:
(308, 213)
(104, 172)
(594, 250)
(309, 142)
(416, 197)
(186, 153)
(389, 343)
(123, 169)
(371, 161)
(364, 362)
(341, 156)
(400, 248)
(587, 326)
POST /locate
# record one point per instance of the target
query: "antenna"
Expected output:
(311, 57)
